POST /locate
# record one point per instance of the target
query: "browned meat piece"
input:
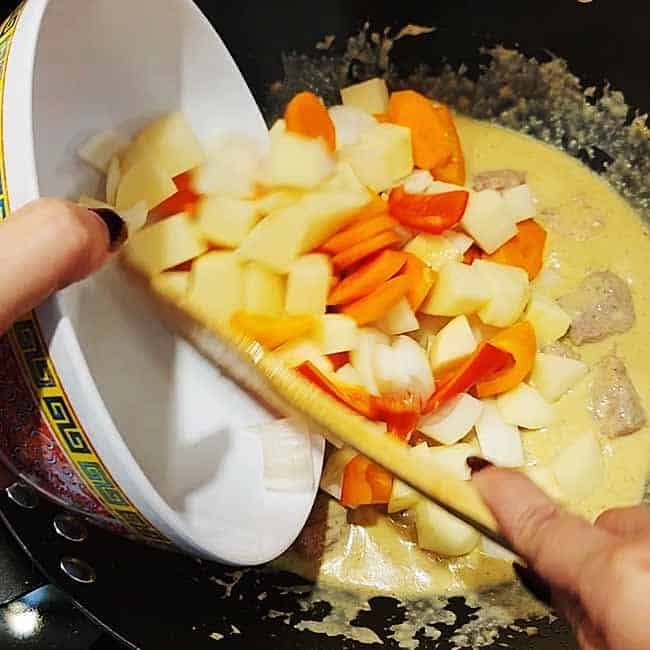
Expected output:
(499, 179)
(602, 305)
(324, 527)
(614, 401)
(561, 349)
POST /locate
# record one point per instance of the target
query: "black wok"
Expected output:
(153, 599)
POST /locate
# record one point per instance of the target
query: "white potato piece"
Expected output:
(349, 375)
(308, 284)
(509, 291)
(579, 468)
(486, 220)
(331, 480)
(173, 285)
(417, 182)
(101, 148)
(442, 533)
(276, 200)
(217, 285)
(453, 420)
(343, 180)
(225, 221)
(285, 234)
(451, 460)
(349, 123)
(296, 352)
(164, 245)
(170, 141)
(370, 96)
(500, 442)
(519, 203)
(525, 407)
(554, 375)
(145, 181)
(548, 319)
(286, 450)
(453, 342)
(434, 250)
(381, 157)
(336, 333)
(544, 478)
(264, 290)
(402, 497)
(135, 217)
(363, 356)
(231, 169)
(459, 289)
(297, 161)
(399, 320)
(459, 239)
(113, 178)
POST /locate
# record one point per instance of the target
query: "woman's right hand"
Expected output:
(599, 575)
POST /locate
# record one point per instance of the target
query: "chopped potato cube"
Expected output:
(382, 156)
(370, 96)
(145, 181)
(525, 407)
(296, 352)
(101, 148)
(579, 468)
(173, 285)
(548, 319)
(308, 284)
(486, 220)
(554, 375)
(459, 289)
(433, 250)
(225, 221)
(399, 320)
(509, 290)
(336, 333)
(454, 341)
(263, 290)
(164, 245)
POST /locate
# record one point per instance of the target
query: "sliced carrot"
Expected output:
(453, 171)
(306, 114)
(358, 232)
(421, 279)
(339, 359)
(525, 249)
(375, 208)
(520, 341)
(373, 306)
(184, 200)
(365, 483)
(368, 278)
(345, 259)
(433, 144)
(272, 331)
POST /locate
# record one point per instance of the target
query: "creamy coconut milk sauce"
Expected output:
(590, 229)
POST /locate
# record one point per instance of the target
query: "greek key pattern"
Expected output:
(30, 350)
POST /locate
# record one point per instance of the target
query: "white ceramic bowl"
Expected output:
(126, 422)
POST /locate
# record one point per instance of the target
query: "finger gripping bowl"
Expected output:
(101, 408)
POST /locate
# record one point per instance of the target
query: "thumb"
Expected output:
(556, 544)
(48, 244)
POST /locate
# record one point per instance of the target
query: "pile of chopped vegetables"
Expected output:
(356, 252)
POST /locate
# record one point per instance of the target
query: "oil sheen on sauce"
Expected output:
(590, 228)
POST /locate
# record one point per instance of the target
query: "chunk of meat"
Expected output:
(498, 179)
(615, 403)
(562, 349)
(324, 527)
(602, 305)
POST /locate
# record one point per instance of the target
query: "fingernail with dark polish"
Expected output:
(117, 230)
(533, 583)
(476, 464)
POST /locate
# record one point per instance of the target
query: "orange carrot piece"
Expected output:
(453, 171)
(363, 249)
(368, 278)
(184, 200)
(525, 249)
(421, 279)
(433, 145)
(373, 306)
(375, 208)
(272, 331)
(306, 114)
(357, 233)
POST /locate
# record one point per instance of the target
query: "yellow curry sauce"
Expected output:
(590, 228)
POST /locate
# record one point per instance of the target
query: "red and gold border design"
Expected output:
(58, 418)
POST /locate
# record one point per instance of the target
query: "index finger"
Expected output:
(554, 542)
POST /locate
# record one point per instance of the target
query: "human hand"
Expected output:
(47, 245)
(599, 576)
